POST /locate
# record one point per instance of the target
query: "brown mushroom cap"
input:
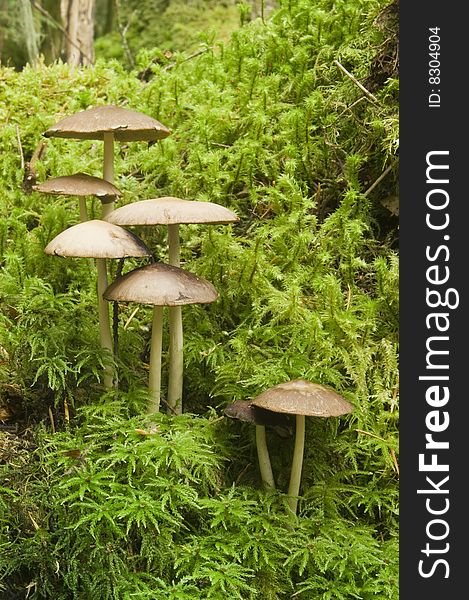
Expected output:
(162, 285)
(300, 397)
(79, 184)
(244, 410)
(96, 239)
(126, 125)
(170, 211)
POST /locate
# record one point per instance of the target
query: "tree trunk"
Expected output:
(78, 22)
(31, 37)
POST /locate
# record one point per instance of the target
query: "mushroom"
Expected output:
(301, 398)
(172, 212)
(243, 410)
(100, 240)
(109, 123)
(80, 185)
(161, 285)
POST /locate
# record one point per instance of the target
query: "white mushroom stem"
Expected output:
(104, 324)
(107, 207)
(297, 464)
(108, 167)
(154, 382)
(176, 358)
(264, 459)
(83, 211)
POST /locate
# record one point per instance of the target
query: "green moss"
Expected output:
(268, 125)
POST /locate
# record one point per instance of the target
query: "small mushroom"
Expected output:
(109, 123)
(301, 398)
(243, 410)
(100, 240)
(161, 285)
(172, 212)
(80, 185)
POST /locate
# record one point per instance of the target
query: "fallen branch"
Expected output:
(357, 83)
(380, 178)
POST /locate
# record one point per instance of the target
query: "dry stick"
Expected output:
(380, 178)
(20, 147)
(129, 320)
(357, 83)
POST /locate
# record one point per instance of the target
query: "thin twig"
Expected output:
(346, 109)
(51, 417)
(198, 53)
(380, 178)
(357, 83)
(123, 29)
(20, 147)
(394, 460)
(370, 434)
(134, 312)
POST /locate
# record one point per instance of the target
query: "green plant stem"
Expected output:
(154, 382)
(297, 464)
(264, 460)
(108, 207)
(176, 358)
(108, 167)
(104, 324)
(83, 211)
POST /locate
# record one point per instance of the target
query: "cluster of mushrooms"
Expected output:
(165, 284)
(158, 284)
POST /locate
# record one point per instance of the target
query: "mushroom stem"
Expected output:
(108, 167)
(104, 325)
(83, 212)
(107, 207)
(176, 359)
(154, 383)
(297, 463)
(264, 459)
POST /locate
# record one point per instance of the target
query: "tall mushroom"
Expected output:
(301, 398)
(100, 240)
(243, 410)
(172, 212)
(161, 285)
(80, 185)
(109, 123)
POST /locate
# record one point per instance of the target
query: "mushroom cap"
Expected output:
(96, 239)
(162, 285)
(126, 125)
(79, 184)
(170, 211)
(300, 397)
(244, 410)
